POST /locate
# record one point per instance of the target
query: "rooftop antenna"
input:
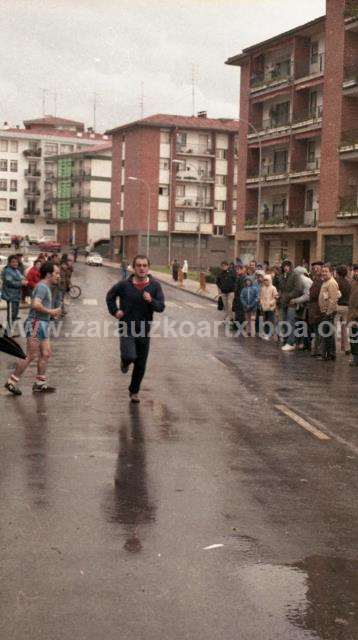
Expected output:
(141, 100)
(55, 103)
(44, 91)
(194, 77)
(94, 110)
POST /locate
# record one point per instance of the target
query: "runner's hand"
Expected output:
(119, 315)
(56, 313)
(147, 297)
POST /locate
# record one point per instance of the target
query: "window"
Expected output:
(220, 205)
(164, 163)
(14, 146)
(179, 216)
(3, 185)
(311, 151)
(314, 52)
(181, 139)
(13, 205)
(51, 148)
(3, 165)
(13, 165)
(3, 206)
(218, 230)
(279, 114)
(163, 190)
(280, 161)
(309, 199)
(164, 137)
(220, 180)
(3, 145)
(204, 141)
(180, 190)
(162, 216)
(313, 103)
(13, 185)
(221, 154)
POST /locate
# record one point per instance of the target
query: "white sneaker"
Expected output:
(266, 337)
(288, 347)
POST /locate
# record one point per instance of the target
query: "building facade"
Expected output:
(299, 113)
(26, 169)
(79, 197)
(174, 187)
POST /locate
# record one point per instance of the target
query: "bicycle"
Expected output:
(73, 292)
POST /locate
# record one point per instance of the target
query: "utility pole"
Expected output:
(94, 110)
(55, 103)
(44, 91)
(194, 71)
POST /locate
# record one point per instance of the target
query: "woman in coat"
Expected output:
(353, 317)
(12, 283)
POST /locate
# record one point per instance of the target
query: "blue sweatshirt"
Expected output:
(249, 297)
(11, 284)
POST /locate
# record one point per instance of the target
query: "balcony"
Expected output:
(194, 150)
(277, 75)
(32, 153)
(206, 228)
(202, 177)
(348, 207)
(349, 145)
(350, 82)
(351, 15)
(280, 219)
(50, 176)
(274, 123)
(192, 203)
(309, 171)
(308, 117)
(31, 212)
(312, 66)
(274, 172)
(32, 194)
(32, 175)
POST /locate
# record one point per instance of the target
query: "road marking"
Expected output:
(195, 305)
(170, 303)
(302, 422)
(217, 360)
(93, 302)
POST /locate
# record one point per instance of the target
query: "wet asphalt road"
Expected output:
(106, 509)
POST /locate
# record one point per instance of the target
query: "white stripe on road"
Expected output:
(93, 302)
(301, 422)
(195, 305)
(170, 303)
(216, 360)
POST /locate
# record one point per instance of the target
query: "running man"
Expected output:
(140, 295)
(37, 332)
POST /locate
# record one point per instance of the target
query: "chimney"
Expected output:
(202, 114)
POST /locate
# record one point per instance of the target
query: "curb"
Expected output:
(173, 286)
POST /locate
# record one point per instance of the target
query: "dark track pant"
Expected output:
(135, 350)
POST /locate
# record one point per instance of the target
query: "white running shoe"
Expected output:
(288, 347)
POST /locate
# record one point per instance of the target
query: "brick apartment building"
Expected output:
(26, 171)
(187, 167)
(299, 92)
(80, 196)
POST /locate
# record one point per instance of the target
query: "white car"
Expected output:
(95, 260)
(5, 240)
(3, 261)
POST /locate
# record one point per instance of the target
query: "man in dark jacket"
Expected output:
(226, 281)
(353, 317)
(240, 283)
(314, 311)
(290, 288)
(344, 284)
(139, 296)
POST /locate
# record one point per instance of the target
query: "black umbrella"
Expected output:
(10, 346)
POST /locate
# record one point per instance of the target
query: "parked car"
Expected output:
(49, 245)
(5, 240)
(95, 260)
(3, 261)
(33, 239)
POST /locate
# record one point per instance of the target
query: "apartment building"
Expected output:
(25, 167)
(174, 181)
(299, 141)
(78, 195)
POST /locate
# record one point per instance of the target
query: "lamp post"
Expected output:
(258, 135)
(148, 207)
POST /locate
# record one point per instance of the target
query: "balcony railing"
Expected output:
(300, 218)
(275, 123)
(194, 149)
(308, 114)
(351, 9)
(348, 206)
(201, 177)
(30, 173)
(350, 138)
(351, 73)
(50, 176)
(280, 218)
(32, 153)
(277, 74)
(31, 212)
(269, 171)
(32, 194)
(310, 166)
(192, 203)
(311, 66)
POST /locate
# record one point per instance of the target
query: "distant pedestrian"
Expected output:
(249, 299)
(139, 297)
(225, 282)
(185, 269)
(239, 313)
(12, 283)
(268, 302)
(314, 312)
(290, 288)
(33, 276)
(328, 302)
(175, 270)
(353, 317)
(344, 285)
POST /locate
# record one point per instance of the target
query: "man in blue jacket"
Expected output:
(139, 296)
(12, 283)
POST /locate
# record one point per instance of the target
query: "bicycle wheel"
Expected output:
(74, 291)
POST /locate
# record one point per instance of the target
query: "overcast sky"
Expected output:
(79, 47)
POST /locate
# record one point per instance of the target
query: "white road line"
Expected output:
(93, 302)
(195, 305)
(301, 422)
(216, 360)
(170, 303)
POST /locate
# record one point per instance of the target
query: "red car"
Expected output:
(49, 245)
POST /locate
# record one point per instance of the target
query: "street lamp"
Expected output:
(258, 135)
(148, 209)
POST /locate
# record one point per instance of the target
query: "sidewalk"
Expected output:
(191, 286)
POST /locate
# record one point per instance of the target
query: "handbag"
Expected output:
(220, 304)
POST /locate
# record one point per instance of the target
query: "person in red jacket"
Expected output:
(34, 276)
